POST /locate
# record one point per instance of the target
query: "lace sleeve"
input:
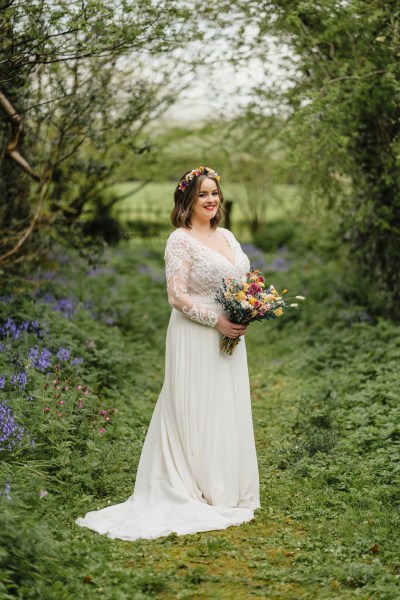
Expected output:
(178, 262)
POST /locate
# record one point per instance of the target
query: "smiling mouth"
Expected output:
(210, 207)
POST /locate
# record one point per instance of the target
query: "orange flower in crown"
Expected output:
(183, 183)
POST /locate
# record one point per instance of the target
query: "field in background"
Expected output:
(154, 201)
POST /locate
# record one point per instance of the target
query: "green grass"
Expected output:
(324, 384)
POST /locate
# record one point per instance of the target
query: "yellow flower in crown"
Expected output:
(278, 312)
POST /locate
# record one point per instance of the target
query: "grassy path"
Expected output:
(327, 427)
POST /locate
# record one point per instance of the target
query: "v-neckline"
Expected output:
(233, 264)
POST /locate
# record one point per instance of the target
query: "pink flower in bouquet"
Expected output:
(254, 288)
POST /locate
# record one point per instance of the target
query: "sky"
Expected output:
(222, 88)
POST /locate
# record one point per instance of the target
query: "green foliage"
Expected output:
(324, 388)
(343, 131)
(84, 80)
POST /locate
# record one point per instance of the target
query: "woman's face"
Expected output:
(207, 203)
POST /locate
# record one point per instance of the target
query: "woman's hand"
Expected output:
(231, 330)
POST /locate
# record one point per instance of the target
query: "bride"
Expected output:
(198, 467)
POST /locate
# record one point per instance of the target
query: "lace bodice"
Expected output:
(195, 272)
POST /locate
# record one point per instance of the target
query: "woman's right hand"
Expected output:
(231, 330)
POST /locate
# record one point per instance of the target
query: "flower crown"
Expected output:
(182, 185)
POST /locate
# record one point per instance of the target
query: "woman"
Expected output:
(198, 468)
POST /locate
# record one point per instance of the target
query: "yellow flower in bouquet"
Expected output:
(246, 300)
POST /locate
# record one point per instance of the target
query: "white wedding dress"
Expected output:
(198, 467)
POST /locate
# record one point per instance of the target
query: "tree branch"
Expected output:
(25, 235)
(15, 137)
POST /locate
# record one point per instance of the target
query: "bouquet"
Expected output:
(247, 300)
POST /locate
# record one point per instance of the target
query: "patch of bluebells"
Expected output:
(63, 353)
(41, 360)
(11, 432)
(256, 256)
(66, 306)
(19, 380)
(13, 329)
(280, 264)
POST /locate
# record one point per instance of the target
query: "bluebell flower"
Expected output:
(40, 360)
(19, 379)
(11, 433)
(2, 381)
(63, 353)
(7, 490)
(78, 360)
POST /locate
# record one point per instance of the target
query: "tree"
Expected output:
(82, 77)
(342, 107)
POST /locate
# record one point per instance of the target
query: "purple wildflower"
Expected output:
(280, 264)
(78, 360)
(7, 490)
(1, 347)
(19, 379)
(40, 361)
(33, 353)
(63, 353)
(2, 381)
(66, 306)
(11, 433)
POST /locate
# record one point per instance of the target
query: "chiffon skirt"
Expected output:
(198, 467)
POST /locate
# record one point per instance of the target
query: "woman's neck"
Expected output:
(201, 227)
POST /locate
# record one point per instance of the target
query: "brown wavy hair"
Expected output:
(186, 199)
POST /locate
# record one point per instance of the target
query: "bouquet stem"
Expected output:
(228, 344)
